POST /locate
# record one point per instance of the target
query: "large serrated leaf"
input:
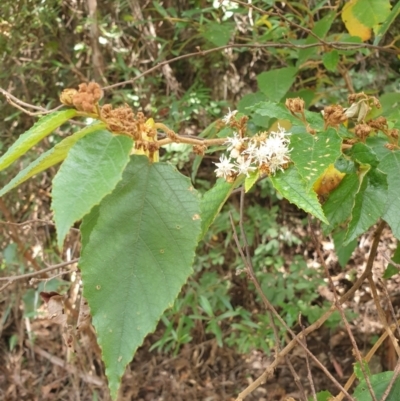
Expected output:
(280, 112)
(390, 165)
(50, 158)
(364, 154)
(91, 170)
(45, 126)
(291, 186)
(369, 205)
(275, 83)
(312, 154)
(340, 203)
(138, 249)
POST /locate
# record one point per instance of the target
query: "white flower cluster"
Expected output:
(267, 152)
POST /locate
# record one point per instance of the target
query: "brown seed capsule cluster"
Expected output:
(334, 116)
(122, 120)
(295, 105)
(85, 99)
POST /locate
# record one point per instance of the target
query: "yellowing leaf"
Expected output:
(353, 25)
(286, 124)
(328, 181)
(264, 21)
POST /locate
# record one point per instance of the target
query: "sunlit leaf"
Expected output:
(91, 170)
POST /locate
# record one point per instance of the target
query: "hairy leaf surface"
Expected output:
(292, 187)
(91, 170)
(138, 250)
(312, 154)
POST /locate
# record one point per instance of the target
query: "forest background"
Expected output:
(186, 63)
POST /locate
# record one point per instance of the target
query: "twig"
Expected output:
(35, 221)
(310, 378)
(382, 283)
(38, 273)
(341, 311)
(19, 104)
(392, 380)
(296, 378)
(296, 338)
(388, 259)
(382, 316)
(69, 368)
(318, 323)
(367, 358)
(335, 45)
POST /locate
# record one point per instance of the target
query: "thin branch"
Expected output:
(38, 273)
(318, 323)
(68, 367)
(335, 45)
(390, 306)
(20, 105)
(296, 338)
(391, 383)
(341, 311)
(367, 358)
(382, 316)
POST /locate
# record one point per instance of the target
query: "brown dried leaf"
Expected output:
(84, 315)
(55, 307)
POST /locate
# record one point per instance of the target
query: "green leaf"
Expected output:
(50, 158)
(359, 372)
(369, 205)
(45, 126)
(371, 12)
(322, 396)
(249, 100)
(218, 34)
(138, 249)
(280, 112)
(387, 23)
(379, 383)
(213, 201)
(291, 186)
(312, 154)
(331, 60)
(364, 155)
(390, 165)
(275, 83)
(392, 270)
(343, 252)
(340, 203)
(321, 28)
(273, 110)
(91, 170)
(251, 180)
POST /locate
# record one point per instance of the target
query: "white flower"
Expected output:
(277, 145)
(234, 143)
(226, 119)
(225, 167)
(244, 167)
(275, 163)
(282, 133)
(262, 154)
